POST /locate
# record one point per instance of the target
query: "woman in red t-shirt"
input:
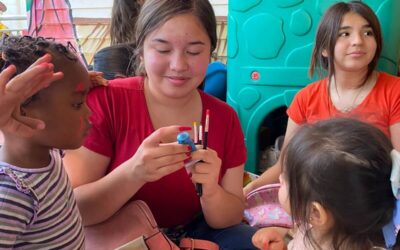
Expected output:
(123, 158)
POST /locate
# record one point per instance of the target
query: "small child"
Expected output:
(37, 205)
(336, 184)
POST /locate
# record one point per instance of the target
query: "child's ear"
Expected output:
(319, 216)
(325, 53)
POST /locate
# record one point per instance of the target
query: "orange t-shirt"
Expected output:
(381, 107)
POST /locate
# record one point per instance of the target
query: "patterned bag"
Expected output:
(264, 210)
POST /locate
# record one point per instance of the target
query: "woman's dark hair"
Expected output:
(23, 51)
(155, 13)
(344, 165)
(328, 31)
(115, 60)
(123, 19)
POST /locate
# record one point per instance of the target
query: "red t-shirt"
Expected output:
(121, 121)
(381, 107)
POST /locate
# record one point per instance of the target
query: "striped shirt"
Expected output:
(38, 209)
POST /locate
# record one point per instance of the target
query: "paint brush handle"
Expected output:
(199, 189)
(184, 138)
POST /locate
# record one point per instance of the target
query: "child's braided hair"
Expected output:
(23, 51)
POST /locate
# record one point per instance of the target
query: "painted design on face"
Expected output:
(80, 87)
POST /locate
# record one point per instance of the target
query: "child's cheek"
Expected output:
(79, 87)
(81, 125)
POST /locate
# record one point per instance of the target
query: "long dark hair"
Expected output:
(327, 35)
(123, 20)
(115, 60)
(344, 165)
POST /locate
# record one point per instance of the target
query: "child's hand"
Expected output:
(13, 92)
(269, 239)
(247, 189)
(96, 79)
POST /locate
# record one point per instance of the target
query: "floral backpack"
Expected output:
(264, 210)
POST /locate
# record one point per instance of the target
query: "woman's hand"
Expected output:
(269, 239)
(206, 172)
(97, 79)
(155, 159)
(13, 92)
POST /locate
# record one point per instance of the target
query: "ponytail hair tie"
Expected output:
(391, 229)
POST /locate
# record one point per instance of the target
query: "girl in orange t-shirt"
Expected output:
(347, 46)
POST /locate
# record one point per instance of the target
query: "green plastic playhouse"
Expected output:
(269, 48)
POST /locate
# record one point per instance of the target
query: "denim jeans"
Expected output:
(230, 238)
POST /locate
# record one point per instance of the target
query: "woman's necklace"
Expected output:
(347, 109)
(340, 103)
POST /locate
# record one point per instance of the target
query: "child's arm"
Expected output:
(270, 238)
(272, 174)
(14, 92)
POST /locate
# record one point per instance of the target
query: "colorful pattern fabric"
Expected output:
(264, 210)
